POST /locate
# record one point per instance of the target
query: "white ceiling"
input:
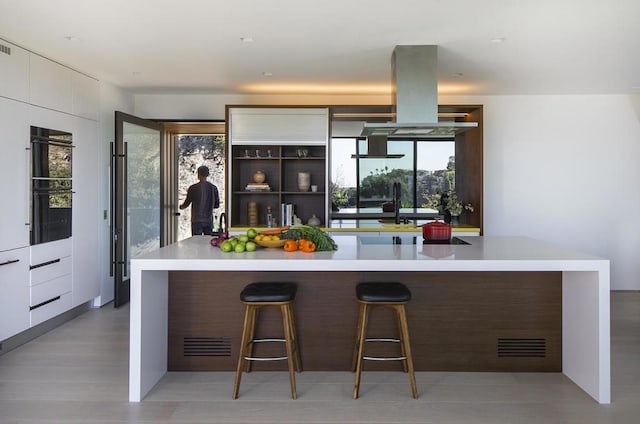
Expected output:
(336, 46)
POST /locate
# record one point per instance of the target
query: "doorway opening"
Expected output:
(194, 151)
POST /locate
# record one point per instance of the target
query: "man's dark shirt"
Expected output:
(205, 198)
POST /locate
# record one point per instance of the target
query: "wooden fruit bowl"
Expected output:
(270, 243)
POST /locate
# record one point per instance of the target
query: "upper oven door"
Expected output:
(51, 153)
(51, 185)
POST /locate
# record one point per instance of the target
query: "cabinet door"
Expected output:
(14, 68)
(14, 289)
(14, 184)
(86, 93)
(50, 84)
(279, 126)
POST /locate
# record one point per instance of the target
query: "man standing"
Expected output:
(204, 197)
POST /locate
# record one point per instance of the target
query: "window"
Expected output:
(424, 168)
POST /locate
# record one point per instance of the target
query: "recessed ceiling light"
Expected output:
(498, 40)
(267, 74)
(71, 38)
(246, 39)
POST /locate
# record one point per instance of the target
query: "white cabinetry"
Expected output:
(51, 84)
(14, 71)
(86, 94)
(14, 292)
(282, 126)
(14, 184)
(50, 280)
(86, 202)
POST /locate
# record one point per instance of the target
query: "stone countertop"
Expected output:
(482, 253)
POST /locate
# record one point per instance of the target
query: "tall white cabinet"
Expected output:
(40, 282)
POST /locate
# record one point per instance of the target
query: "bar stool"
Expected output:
(260, 295)
(390, 295)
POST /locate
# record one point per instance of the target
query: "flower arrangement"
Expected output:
(454, 205)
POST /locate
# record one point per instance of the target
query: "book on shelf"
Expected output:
(257, 187)
(286, 214)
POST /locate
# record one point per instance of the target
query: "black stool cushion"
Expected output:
(269, 292)
(383, 292)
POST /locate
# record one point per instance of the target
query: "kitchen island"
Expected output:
(558, 297)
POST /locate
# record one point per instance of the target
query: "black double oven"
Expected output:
(51, 185)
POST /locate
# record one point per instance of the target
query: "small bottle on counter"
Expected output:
(269, 217)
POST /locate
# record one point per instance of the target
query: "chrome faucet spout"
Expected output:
(396, 201)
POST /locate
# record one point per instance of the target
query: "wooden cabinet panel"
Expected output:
(281, 170)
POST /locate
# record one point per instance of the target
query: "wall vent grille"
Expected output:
(206, 346)
(5, 49)
(522, 348)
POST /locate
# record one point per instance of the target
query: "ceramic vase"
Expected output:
(304, 181)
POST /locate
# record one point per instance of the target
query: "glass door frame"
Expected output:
(119, 216)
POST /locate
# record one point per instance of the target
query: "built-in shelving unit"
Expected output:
(281, 142)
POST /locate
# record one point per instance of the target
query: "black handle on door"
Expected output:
(9, 262)
(112, 208)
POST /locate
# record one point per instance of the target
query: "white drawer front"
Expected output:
(48, 251)
(51, 309)
(50, 269)
(50, 289)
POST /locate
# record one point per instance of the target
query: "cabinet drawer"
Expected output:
(50, 270)
(51, 309)
(48, 251)
(50, 289)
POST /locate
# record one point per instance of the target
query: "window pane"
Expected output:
(435, 171)
(376, 176)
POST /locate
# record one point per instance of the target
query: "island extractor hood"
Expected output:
(415, 97)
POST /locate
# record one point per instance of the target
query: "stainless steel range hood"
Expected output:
(415, 97)
(377, 149)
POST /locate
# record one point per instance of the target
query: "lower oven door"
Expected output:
(50, 210)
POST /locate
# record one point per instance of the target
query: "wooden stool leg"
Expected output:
(243, 347)
(407, 349)
(398, 312)
(286, 326)
(361, 337)
(253, 316)
(356, 346)
(294, 338)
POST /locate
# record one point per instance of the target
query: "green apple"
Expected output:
(250, 246)
(240, 247)
(243, 238)
(226, 246)
(252, 233)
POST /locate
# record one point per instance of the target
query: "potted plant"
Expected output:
(455, 206)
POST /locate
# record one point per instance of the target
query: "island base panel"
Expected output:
(458, 321)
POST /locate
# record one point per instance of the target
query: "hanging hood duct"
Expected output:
(377, 149)
(415, 97)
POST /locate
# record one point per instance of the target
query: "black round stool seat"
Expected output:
(269, 292)
(383, 292)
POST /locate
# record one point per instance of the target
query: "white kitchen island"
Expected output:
(585, 291)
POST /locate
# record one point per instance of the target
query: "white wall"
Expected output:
(112, 98)
(557, 168)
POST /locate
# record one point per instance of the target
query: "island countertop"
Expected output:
(354, 253)
(584, 294)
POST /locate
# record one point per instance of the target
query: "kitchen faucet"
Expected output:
(396, 201)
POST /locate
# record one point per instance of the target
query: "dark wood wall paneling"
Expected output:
(455, 319)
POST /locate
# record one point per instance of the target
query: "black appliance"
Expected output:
(51, 185)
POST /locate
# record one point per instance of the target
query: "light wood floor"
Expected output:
(78, 373)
